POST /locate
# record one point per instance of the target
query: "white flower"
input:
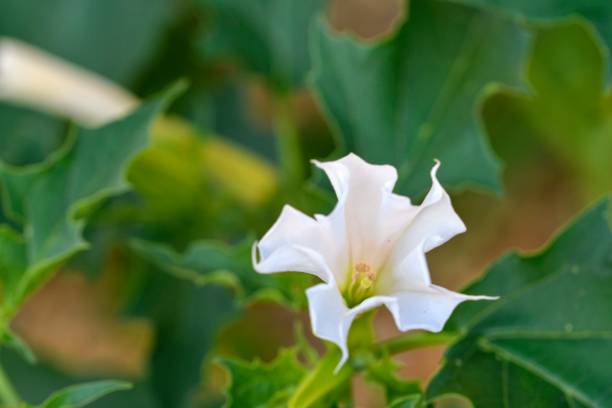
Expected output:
(369, 251)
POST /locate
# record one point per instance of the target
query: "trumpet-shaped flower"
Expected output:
(370, 251)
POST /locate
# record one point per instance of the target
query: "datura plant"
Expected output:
(139, 165)
(369, 251)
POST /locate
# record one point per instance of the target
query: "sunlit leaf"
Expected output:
(598, 12)
(568, 107)
(548, 340)
(413, 97)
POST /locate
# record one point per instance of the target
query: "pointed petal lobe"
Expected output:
(296, 242)
(426, 309)
(331, 319)
(374, 216)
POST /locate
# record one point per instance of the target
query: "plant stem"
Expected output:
(414, 341)
(8, 395)
(321, 381)
(288, 143)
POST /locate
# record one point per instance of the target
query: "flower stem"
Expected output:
(8, 395)
(288, 143)
(321, 381)
(414, 341)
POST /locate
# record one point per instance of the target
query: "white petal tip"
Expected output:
(341, 363)
(478, 297)
(434, 169)
(317, 163)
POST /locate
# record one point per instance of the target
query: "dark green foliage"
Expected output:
(547, 341)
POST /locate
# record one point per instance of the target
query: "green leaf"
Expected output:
(13, 259)
(28, 136)
(269, 37)
(412, 97)
(598, 12)
(548, 340)
(35, 383)
(77, 396)
(53, 198)
(187, 319)
(206, 262)
(88, 32)
(410, 401)
(263, 385)
(13, 341)
(382, 370)
(568, 107)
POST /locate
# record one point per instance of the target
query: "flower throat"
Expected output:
(360, 285)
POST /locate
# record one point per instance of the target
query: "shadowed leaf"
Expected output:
(412, 98)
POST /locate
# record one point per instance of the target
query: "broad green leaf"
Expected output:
(548, 340)
(53, 198)
(568, 107)
(598, 12)
(206, 262)
(77, 396)
(263, 385)
(413, 97)
(269, 37)
(88, 32)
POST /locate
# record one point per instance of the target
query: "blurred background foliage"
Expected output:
(155, 278)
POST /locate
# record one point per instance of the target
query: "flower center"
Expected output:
(361, 284)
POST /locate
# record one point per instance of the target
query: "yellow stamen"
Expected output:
(361, 284)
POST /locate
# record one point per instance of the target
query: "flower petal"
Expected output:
(296, 242)
(374, 216)
(426, 309)
(410, 272)
(436, 221)
(331, 319)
